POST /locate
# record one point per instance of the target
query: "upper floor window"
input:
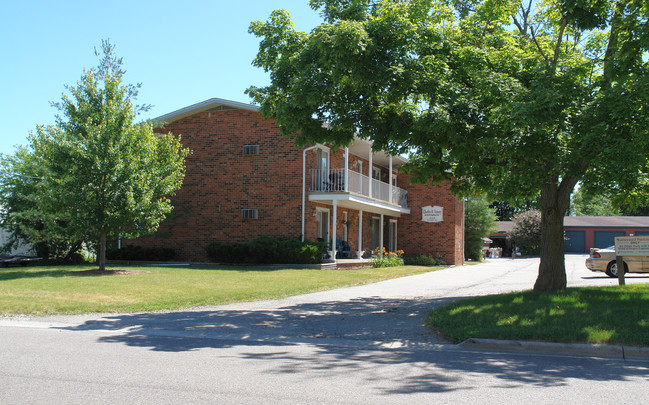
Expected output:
(322, 163)
(249, 213)
(251, 149)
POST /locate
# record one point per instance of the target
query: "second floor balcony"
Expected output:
(346, 181)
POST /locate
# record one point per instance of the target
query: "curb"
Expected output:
(574, 349)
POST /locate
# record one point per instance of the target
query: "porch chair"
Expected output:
(343, 250)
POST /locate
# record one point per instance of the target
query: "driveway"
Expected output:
(386, 314)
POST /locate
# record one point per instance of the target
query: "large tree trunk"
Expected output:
(101, 252)
(555, 200)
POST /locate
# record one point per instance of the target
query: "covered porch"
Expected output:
(355, 187)
(352, 228)
(362, 184)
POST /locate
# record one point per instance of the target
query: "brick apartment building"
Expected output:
(244, 179)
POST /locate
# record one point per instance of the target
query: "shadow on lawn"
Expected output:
(28, 272)
(347, 337)
(15, 273)
(34, 272)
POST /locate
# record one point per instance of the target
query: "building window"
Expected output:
(251, 149)
(249, 213)
(376, 173)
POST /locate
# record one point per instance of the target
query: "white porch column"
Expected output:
(381, 235)
(360, 233)
(370, 173)
(390, 182)
(346, 169)
(333, 233)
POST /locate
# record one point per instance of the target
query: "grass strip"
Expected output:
(50, 290)
(611, 315)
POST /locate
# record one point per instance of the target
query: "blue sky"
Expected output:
(182, 52)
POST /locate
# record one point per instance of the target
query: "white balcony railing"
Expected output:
(333, 180)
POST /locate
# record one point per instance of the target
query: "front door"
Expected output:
(376, 232)
(392, 237)
(322, 224)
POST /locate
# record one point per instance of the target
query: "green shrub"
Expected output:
(131, 252)
(227, 252)
(526, 233)
(267, 250)
(424, 260)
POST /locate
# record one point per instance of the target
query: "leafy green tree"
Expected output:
(479, 222)
(96, 173)
(18, 185)
(526, 234)
(519, 99)
(505, 211)
(585, 202)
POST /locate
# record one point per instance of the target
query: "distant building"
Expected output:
(584, 232)
(22, 250)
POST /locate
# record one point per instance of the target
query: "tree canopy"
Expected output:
(95, 173)
(589, 202)
(517, 98)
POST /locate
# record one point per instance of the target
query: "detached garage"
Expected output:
(583, 233)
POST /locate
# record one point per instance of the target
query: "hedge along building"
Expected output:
(243, 179)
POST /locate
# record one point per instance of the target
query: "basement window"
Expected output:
(251, 149)
(249, 213)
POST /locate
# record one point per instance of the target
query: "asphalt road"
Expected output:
(363, 344)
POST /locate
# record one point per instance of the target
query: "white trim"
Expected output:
(369, 172)
(356, 202)
(204, 106)
(346, 169)
(333, 231)
(381, 231)
(304, 185)
(390, 182)
(319, 228)
(360, 231)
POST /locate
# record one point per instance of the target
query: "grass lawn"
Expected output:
(52, 290)
(590, 315)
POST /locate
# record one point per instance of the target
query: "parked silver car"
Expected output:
(605, 260)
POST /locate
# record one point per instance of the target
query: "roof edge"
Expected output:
(204, 106)
(217, 102)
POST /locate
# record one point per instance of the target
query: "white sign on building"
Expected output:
(432, 214)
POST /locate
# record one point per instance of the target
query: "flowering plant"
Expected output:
(383, 258)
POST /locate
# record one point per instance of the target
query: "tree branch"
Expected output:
(538, 46)
(557, 48)
(611, 49)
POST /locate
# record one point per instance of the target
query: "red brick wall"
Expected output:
(444, 238)
(220, 181)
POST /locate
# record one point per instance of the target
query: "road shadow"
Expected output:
(363, 320)
(350, 337)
